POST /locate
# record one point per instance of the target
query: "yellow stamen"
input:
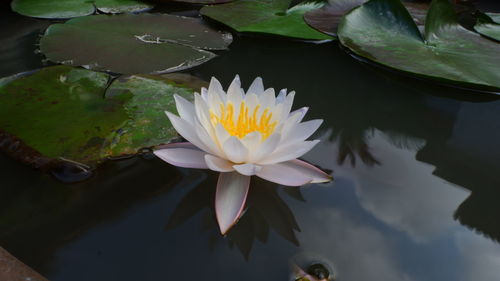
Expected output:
(245, 123)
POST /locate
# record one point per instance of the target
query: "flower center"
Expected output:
(245, 122)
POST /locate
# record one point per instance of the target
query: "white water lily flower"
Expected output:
(241, 135)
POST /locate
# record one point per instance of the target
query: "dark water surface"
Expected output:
(416, 195)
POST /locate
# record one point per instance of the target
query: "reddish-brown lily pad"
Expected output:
(327, 18)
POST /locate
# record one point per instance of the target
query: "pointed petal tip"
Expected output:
(168, 113)
(230, 198)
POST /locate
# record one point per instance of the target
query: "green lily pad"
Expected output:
(384, 32)
(266, 16)
(150, 96)
(70, 113)
(489, 25)
(144, 43)
(494, 16)
(63, 9)
(327, 18)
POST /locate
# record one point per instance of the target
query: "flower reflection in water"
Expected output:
(266, 210)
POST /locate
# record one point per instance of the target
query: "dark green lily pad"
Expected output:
(494, 16)
(266, 16)
(63, 9)
(69, 113)
(327, 18)
(144, 43)
(489, 25)
(384, 32)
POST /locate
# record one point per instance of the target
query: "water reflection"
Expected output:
(39, 216)
(265, 211)
(399, 191)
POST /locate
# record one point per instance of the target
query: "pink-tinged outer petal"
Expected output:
(283, 174)
(317, 175)
(293, 173)
(182, 155)
(232, 191)
(247, 169)
(217, 164)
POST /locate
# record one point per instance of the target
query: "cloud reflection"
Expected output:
(400, 191)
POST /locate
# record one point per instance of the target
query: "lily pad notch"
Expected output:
(488, 25)
(384, 32)
(60, 113)
(131, 44)
(272, 17)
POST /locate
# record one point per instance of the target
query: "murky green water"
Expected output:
(416, 196)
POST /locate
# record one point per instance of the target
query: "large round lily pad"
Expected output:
(70, 113)
(144, 43)
(383, 31)
(266, 16)
(75, 8)
(489, 25)
(327, 18)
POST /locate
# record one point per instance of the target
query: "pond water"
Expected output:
(416, 192)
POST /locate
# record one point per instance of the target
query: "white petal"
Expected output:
(218, 164)
(252, 141)
(301, 112)
(208, 139)
(202, 111)
(182, 155)
(232, 191)
(284, 174)
(267, 98)
(287, 104)
(235, 151)
(251, 100)
(215, 88)
(215, 95)
(186, 130)
(235, 84)
(221, 134)
(301, 131)
(294, 118)
(185, 108)
(265, 148)
(289, 152)
(281, 96)
(204, 94)
(247, 169)
(235, 95)
(257, 87)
